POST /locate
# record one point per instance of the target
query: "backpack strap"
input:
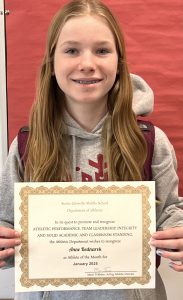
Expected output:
(149, 134)
(22, 142)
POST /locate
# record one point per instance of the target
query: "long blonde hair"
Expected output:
(124, 145)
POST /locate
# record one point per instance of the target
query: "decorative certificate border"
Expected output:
(25, 192)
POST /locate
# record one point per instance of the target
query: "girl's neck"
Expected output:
(87, 115)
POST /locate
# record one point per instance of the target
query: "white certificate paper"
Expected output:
(79, 236)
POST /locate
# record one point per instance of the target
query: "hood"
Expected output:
(143, 97)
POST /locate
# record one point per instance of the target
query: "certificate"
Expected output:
(79, 236)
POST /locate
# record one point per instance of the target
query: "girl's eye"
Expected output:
(72, 51)
(103, 51)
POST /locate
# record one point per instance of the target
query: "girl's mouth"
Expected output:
(86, 82)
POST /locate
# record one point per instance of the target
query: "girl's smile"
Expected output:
(87, 81)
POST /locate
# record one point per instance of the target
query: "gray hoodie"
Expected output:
(87, 158)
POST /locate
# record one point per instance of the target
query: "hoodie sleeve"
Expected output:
(11, 173)
(164, 166)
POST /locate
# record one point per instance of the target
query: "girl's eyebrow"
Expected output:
(97, 43)
(70, 43)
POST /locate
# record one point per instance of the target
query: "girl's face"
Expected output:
(85, 61)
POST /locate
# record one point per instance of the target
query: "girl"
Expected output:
(83, 112)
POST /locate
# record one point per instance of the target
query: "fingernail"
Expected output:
(17, 242)
(159, 252)
(17, 234)
(152, 242)
(154, 235)
(177, 263)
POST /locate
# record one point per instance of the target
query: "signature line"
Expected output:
(111, 271)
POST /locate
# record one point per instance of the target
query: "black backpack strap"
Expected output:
(149, 134)
(22, 142)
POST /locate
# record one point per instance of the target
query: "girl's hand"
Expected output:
(9, 238)
(169, 244)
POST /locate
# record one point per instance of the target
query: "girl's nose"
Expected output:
(87, 63)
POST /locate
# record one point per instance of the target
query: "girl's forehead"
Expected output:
(89, 19)
(86, 26)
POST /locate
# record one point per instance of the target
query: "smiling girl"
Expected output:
(83, 128)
